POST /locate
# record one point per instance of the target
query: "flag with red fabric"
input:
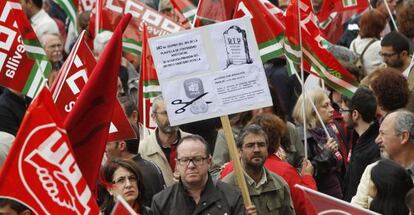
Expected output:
(330, 6)
(24, 66)
(149, 87)
(122, 207)
(40, 170)
(109, 13)
(72, 78)
(267, 29)
(89, 121)
(85, 5)
(317, 58)
(325, 204)
(275, 11)
(186, 8)
(212, 11)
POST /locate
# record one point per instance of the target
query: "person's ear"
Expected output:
(404, 53)
(122, 145)
(405, 137)
(355, 115)
(135, 116)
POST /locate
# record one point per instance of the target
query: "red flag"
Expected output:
(186, 8)
(275, 11)
(88, 122)
(212, 11)
(325, 204)
(317, 58)
(73, 76)
(85, 5)
(267, 29)
(40, 170)
(122, 207)
(149, 87)
(330, 6)
(109, 13)
(23, 63)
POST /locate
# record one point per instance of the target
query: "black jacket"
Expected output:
(152, 178)
(216, 198)
(364, 152)
(12, 110)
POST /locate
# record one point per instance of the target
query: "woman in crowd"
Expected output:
(389, 185)
(123, 178)
(368, 43)
(322, 150)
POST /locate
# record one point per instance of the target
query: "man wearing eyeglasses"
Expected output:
(358, 113)
(395, 53)
(269, 192)
(196, 192)
(160, 146)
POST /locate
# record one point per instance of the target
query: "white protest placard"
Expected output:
(210, 71)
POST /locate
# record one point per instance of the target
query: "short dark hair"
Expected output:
(38, 3)
(364, 101)
(13, 204)
(274, 127)
(397, 41)
(250, 129)
(195, 137)
(391, 89)
(132, 145)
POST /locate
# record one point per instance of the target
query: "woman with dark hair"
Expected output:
(123, 178)
(368, 43)
(390, 183)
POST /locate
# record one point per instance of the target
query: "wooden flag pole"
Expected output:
(228, 133)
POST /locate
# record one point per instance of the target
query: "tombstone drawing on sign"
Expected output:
(236, 46)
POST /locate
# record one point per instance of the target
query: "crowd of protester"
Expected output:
(358, 149)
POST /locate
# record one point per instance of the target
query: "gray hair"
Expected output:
(343, 53)
(404, 121)
(100, 41)
(155, 103)
(251, 129)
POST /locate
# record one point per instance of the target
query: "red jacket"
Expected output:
(275, 165)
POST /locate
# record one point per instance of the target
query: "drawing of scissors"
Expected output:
(186, 104)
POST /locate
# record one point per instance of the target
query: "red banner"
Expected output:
(40, 170)
(331, 6)
(23, 63)
(212, 11)
(72, 78)
(325, 204)
(88, 122)
(109, 13)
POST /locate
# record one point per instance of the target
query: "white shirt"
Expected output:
(408, 69)
(42, 23)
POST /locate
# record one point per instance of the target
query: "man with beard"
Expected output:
(395, 53)
(160, 146)
(269, 192)
(396, 142)
(359, 114)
